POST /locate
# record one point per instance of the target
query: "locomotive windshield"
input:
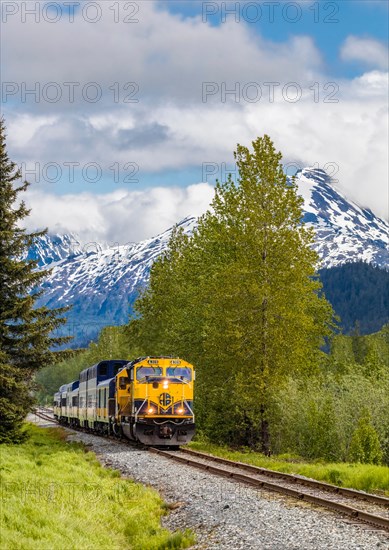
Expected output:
(142, 372)
(180, 372)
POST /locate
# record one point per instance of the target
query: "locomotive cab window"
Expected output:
(142, 372)
(180, 372)
(123, 381)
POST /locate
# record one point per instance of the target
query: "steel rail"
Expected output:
(372, 519)
(45, 416)
(344, 491)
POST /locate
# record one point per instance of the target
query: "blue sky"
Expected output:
(329, 23)
(169, 137)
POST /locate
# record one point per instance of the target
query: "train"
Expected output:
(148, 400)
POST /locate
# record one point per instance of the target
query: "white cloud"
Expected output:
(167, 56)
(373, 83)
(369, 51)
(351, 134)
(171, 127)
(349, 139)
(119, 217)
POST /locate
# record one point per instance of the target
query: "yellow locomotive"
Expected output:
(149, 400)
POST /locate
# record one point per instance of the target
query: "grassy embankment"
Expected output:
(364, 477)
(43, 508)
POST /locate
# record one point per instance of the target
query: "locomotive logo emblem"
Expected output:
(165, 399)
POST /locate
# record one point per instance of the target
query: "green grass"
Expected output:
(43, 508)
(364, 477)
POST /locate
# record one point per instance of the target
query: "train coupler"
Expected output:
(165, 432)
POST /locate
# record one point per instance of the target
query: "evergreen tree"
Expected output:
(25, 331)
(358, 344)
(14, 401)
(359, 293)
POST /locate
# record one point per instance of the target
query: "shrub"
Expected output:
(365, 446)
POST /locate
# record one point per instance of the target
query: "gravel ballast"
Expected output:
(228, 515)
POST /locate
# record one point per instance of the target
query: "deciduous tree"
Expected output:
(240, 298)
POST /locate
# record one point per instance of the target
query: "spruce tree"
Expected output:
(26, 338)
(15, 400)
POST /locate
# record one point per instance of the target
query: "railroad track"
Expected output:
(357, 505)
(352, 503)
(297, 480)
(45, 416)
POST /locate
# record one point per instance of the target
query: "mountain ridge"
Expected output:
(102, 283)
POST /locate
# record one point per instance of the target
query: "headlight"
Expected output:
(165, 385)
(150, 410)
(180, 411)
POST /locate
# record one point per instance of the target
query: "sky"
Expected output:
(122, 115)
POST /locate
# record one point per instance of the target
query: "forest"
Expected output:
(359, 294)
(241, 299)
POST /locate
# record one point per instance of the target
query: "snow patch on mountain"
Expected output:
(51, 248)
(102, 282)
(102, 285)
(345, 232)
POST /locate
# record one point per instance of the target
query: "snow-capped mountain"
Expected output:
(53, 248)
(345, 232)
(102, 283)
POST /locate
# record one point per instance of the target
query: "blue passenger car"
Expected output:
(88, 391)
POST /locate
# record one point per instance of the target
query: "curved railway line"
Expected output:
(357, 505)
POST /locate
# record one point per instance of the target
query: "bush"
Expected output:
(365, 446)
(326, 418)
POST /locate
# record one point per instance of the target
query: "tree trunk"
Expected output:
(265, 435)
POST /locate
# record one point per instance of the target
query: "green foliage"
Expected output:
(65, 499)
(14, 398)
(240, 298)
(365, 354)
(365, 445)
(358, 343)
(319, 436)
(26, 332)
(50, 378)
(318, 417)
